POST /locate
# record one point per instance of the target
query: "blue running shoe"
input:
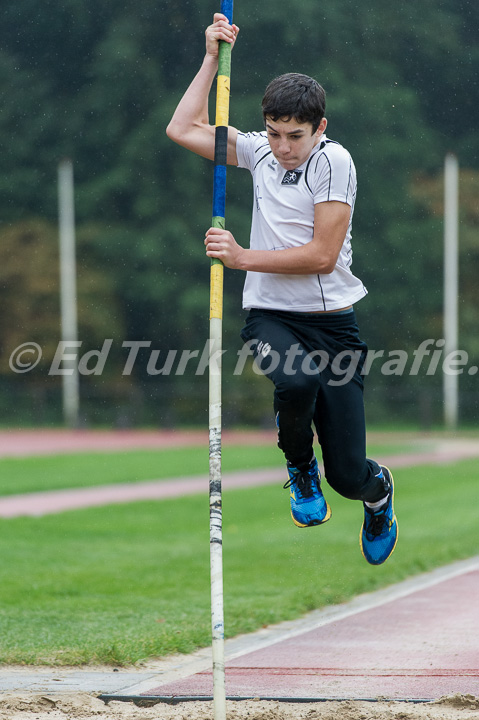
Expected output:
(308, 506)
(379, 533)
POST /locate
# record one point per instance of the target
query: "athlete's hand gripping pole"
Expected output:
(215, 354)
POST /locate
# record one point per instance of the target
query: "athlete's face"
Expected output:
(291, 141)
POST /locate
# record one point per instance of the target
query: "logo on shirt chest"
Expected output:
(291, 177)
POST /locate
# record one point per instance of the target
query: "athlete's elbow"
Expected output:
(324, 267)
(178, 130)
(329, 267)
(173, 131)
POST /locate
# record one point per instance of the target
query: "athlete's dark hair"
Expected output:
(297, 96)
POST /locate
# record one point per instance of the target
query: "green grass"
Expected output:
(123, 583)
(53, 472)
(21, 475)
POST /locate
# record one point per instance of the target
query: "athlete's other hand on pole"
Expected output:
(221, 244)
(220, 30)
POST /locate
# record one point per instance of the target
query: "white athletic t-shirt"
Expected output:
(283, 217)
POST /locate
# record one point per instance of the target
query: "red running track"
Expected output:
(418, 647)
(42, 442)
(22, 443)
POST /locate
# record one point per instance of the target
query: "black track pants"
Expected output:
(315, 362)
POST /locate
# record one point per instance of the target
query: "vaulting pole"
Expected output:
(215, 354)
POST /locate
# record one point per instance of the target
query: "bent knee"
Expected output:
(347, 479)
(297, 388)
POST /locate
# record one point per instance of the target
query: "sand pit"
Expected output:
(82, 706)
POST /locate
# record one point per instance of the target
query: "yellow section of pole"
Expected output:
(216, 290)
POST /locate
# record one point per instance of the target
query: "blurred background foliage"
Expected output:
(98, 82)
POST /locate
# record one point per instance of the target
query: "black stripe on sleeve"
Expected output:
(262, 158)
(306, 174)
(330, 176)
(349, 180)
(319, 155)
(261, 147)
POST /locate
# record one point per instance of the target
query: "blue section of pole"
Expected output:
(219, 191)
(227, 9)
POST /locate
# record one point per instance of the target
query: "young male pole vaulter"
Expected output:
(299, 289)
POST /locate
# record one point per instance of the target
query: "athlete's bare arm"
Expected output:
(190, 126)
(331, 220)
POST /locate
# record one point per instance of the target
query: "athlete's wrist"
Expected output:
(211, 60)
(242, 260)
